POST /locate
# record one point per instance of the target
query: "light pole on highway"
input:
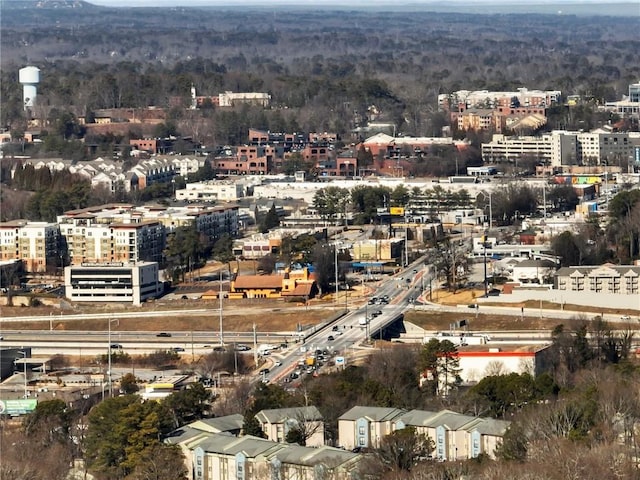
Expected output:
(484, 245)
(109, 357)
(335, 250)
(24, 364)
(220, 295)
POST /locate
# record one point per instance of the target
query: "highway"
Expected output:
(350, 333)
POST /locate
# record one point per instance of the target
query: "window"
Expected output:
(361, 441)
(361, 431)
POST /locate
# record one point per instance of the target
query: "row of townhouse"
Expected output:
(108, 233)
(214, 448)
(523, 97)
(564, 148)
(455, 436)
(109, 174)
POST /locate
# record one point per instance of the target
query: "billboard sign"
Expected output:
(17, 407)
(397, 211)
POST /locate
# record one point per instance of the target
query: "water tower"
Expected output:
(29, 77)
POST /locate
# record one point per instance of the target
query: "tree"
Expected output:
(120, 431)
(223, 249)
(330, 202)
(323, 259)
(189, 404)
(160, 462)
(271, 220)
(452, 263)
(563, 197)
(566, 246)
(402, 450)
(440, 366)
(50, 417)
(129, 384)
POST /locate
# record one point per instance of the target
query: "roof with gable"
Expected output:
(280, 415)
(331, 457)
(375, 414)
(248, 445)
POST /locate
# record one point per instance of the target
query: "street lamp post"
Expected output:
(335, 250)
(24, 364)
(109, 357)
(484, 245)
(220, 295)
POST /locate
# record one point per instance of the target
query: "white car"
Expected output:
(625, 318)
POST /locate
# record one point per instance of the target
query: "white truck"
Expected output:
(459, 338)
(266, 348)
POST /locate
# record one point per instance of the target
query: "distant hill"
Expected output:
(56, 4)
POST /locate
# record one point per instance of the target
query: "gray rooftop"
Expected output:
(375, 414)
(281, 415)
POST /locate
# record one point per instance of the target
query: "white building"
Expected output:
(229, 99)
(211, 191)
(112, 282)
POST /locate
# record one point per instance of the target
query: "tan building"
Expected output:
(378, 250)
(276, 424)
(456, 436)
(293, 284)
(37, 244)
(365, 427)
(221, 457)
(607, 278)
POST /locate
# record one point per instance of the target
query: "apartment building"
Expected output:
(247, 160)
(37, 244)
(365, 427)
(277, 422)
(523, 97)
(456, 436)
(222, 457)
(111, 236)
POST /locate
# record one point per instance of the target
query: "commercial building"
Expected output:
(562, 148)
(112, 282)
(211, 191)
(292, 284)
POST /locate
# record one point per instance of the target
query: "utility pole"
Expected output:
(484, 245)
(109, 358)
(335, 250)
(220, 295)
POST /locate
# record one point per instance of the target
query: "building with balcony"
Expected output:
(37, 244)
(603, 279)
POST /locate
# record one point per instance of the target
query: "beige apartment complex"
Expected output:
(37, 244)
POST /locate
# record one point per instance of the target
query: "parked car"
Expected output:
(178, 349)
(163, 334)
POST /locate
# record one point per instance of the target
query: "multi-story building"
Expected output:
(111, 237)
(37, 244)
(510, 149)
(212, 191)
(456, 436)
(488, 99)
(112, 282)
(277, 422)
(365, 427)
(230, 99)
(247, 160)
(600, 146)
(613, 279)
